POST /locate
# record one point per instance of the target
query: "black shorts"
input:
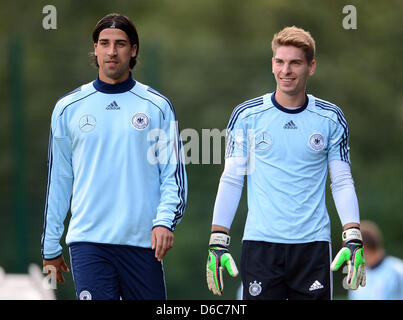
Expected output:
(274, 271)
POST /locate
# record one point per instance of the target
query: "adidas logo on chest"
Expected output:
(290, 125)
(113, 106)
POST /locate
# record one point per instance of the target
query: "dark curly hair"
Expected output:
(118, 21)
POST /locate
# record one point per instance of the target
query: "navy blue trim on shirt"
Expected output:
(242, 107)
(61, 113)
(180, 170)
(120, 87)
(342, 121)
(163, 115)
(50, 164)
(293, 110)
(71, 92)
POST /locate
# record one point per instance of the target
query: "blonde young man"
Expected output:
(285, 142)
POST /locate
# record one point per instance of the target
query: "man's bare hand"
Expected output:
(162, 239)
(59, 265)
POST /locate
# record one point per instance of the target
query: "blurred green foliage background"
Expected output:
(207, 56)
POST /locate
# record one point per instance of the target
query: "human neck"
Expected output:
(109, 80)
(289, 100)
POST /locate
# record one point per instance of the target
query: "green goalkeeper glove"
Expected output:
(352, 253)
(219, 258)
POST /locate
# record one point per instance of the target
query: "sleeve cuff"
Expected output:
(160, 225)
(51, 257)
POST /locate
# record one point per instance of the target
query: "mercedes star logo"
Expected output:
(263, 141)
(87, 123)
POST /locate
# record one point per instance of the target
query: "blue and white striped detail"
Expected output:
(344, 153)
(69, 93)
(50, 163)
(180, 168)
(242, 107)
(234, 117)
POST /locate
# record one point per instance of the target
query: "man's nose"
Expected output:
(286, 68)
(112, 50)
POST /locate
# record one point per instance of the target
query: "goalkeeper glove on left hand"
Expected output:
(219, 258)
(352, 253)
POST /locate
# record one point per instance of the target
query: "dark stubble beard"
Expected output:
(116, 74)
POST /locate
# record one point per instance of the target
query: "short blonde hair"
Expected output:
(297, 37)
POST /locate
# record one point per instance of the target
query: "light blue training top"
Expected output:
(288, 153)
(116, 153)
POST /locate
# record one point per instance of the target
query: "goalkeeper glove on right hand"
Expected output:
(352, 253)
(219, 258)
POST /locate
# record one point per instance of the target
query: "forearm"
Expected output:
(56, 208)
(228, 194)
(172, 201)
(58, 193)
(344, 194)
(346, 203)
(173, 187)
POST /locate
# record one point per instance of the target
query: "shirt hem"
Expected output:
(72, 243)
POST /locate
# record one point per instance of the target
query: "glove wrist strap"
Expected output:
(351, 234)
(219, 239)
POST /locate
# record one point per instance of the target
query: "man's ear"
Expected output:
(312, 67)
(134, 50)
